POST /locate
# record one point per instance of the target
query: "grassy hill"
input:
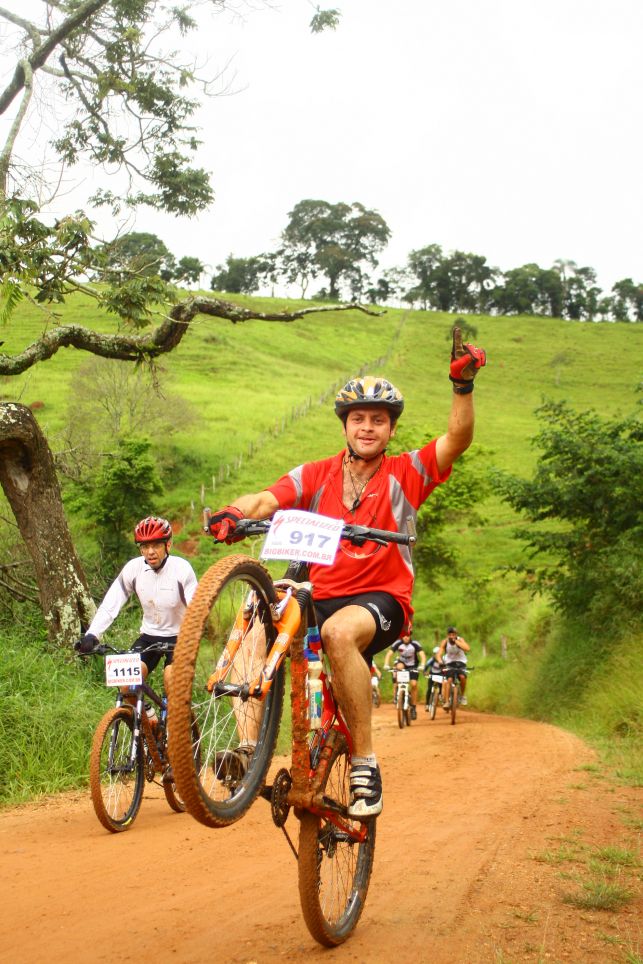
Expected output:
(256, 399)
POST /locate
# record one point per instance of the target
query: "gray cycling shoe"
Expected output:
(366, 791)
(231, 766)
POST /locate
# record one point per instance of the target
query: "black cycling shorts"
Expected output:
(152, 659)
(386, 611)
(456, 665)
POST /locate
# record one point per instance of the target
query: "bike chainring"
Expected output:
(279, 806)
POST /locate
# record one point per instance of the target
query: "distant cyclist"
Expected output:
(433, 665)
(164, 586)
(408, 655)
(453, 653)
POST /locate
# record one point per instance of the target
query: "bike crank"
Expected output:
(279, 806)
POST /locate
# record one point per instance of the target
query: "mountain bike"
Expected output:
(128, 747)
(452, 675)
(433, 692)
(402, 697)
(229, 670)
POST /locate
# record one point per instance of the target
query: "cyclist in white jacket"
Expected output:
(164, 586)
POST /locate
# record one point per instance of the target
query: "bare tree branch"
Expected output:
(41, 53)
(164, 338)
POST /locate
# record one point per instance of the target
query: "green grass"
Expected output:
(600, 895)
(259, 400)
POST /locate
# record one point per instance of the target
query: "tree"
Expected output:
(28, 478)
(140, 252)
(530, 290)
(119, 494)
(332, 240)
(628, 300)
(589, 483)
(126, 104)
(455, 282)
(237, 275)
(188, 269)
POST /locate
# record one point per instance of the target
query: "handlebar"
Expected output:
(358, 535)
(103, 648)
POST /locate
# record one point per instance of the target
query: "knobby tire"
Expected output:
(334, 873)
(454, 701)
(172, 794)
(400, 709)
(116, 790)
(218, 783)
(434, 702)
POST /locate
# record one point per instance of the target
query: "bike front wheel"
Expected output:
(116, 770)
(454, 702)
(334, 870)
(434, 702)
(400, 710)
(172, 793)
(227, 629)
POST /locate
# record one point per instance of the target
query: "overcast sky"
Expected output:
(508, 128)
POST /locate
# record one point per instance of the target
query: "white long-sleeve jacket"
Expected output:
(163, 594)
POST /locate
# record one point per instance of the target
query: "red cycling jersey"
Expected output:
(392, 495)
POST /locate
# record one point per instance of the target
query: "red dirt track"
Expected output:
(455, 880)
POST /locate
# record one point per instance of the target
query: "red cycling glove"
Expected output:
(465, 362)
(223, 523)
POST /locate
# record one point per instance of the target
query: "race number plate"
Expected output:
(122, 669)
(302, 537)
(403, 676)
(436, 678)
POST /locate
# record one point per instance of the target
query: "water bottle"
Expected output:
(314, 684)
(152, 718)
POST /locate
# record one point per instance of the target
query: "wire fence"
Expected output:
(227, 470)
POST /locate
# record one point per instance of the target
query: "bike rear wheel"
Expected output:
(220, 778)
(116, 780)
(334, 871)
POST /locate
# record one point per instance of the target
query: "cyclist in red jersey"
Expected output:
(363, 601)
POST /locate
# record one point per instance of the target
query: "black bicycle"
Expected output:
(433, 692)
(452, 673)
(129, 748)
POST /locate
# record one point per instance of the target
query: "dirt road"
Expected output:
(479, 821)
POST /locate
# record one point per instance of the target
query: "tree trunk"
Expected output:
(28, 478)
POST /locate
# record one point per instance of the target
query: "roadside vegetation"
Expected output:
(234, 406)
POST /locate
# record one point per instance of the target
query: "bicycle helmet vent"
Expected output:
(369, 390)
(152, 529)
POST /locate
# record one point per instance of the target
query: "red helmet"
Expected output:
(153, 529)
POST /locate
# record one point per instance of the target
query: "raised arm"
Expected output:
(465, 362)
